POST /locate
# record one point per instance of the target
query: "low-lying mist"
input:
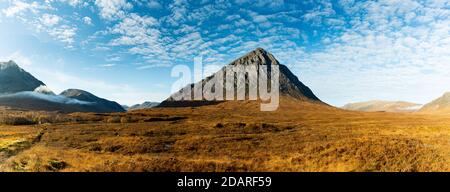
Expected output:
(47, 97)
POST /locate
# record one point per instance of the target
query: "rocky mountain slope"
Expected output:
(289, 84)
(14, 79)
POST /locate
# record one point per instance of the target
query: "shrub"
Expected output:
(16, 120)
(114, 119)
(56, 165)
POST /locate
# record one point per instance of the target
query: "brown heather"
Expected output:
(230, 136)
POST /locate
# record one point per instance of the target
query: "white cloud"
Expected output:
(76, 3)
(319, 13)
(65, 34)
(113, 58)
(154, 4)
(18, 7)
(157, 65)
(113, 9)
(87, 20)
(262, 3)
(108, 65)
(50, 20)
(179, 10)
(52, 24)
(270, 3)
(19, 58)
(141, 33)
(389, 51)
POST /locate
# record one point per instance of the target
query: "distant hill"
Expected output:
(19, 89)
(145, 105)
(14, 79)
(31, 100)
(99, 104)
(28, 100)
(386, 106)
(126, 107)
(440, 105)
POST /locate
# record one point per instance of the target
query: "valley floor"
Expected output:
(298, 137)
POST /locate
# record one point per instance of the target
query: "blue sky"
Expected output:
(345, 51)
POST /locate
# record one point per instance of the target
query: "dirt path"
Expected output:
(15, 148)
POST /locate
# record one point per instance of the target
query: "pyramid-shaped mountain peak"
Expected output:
(258, 56)
(14, 79)
(9, 64)
(289, 84)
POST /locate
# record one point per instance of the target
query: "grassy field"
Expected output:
(232, 136)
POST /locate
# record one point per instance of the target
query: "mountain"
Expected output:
(29, 100)
(19, 89)
(98, 104)
(126, 107)
(386, 106)
(145, 105)
(440, 105)
(290, 85)
(14, 79)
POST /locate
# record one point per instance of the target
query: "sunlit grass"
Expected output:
(235, 137)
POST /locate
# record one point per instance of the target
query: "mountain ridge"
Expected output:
(145, 105)
(19, 89)
(439, 105)
(382, 105)
(14, 79)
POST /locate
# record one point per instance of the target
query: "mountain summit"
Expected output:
(258, 56)
(14, 79)
(289, 84)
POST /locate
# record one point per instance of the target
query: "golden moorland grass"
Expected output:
(231, 136)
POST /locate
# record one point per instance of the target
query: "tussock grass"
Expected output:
(234, 136)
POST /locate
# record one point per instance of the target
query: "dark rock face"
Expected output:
(14, 79)
(290, 85)
(98, 104)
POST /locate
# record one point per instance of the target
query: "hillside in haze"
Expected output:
(98, 104)
(440, 105)
(290, 85)
(385, 106)
(19, 89)
(145, 105)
